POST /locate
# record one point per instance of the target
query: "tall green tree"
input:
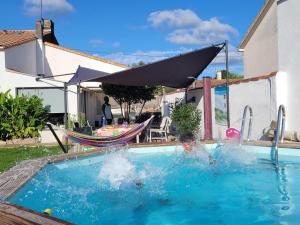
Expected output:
(126, 96)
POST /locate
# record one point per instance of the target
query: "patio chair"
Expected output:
(160, 133)
(147, 130)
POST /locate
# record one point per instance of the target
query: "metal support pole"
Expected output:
(186, 97)
(227, 84)
(163, 101)
(66, 105)
(207, 108)
(78, 101)
(65, 150)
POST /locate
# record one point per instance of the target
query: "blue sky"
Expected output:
(130, 31)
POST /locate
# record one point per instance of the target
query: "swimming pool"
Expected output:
(162, 185)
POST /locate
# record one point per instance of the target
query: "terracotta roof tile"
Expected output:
(214, 82)
(10, 38)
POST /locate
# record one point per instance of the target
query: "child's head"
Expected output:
(186, 137)
(187, 140)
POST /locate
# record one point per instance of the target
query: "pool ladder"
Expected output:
(247, 108)
(279, 132)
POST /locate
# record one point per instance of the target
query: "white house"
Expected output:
(272, 45)
(29, 54)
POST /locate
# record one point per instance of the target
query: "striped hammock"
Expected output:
(104, 141)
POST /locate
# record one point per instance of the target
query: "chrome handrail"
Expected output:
(280, 129)
(247, 107)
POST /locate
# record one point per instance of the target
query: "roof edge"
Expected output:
(236, 81)
(258, 19)
(17, 44)
(86, 55)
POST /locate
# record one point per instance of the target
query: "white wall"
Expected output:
(170, 99)
(59, 61)
(10, 80)
(2, 62)
(260, 53)
(22, 58)
(289, 58)
(198, 94)
(261, 96)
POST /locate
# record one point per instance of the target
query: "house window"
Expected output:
(53, 98)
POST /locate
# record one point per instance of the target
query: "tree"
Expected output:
(231, 75)
(140, 63)
(126, 96)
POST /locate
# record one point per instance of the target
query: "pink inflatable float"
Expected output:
(232, 133)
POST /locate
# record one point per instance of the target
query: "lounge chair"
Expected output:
(160, 133)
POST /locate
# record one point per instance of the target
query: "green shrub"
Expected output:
(186, 118)
(21, 117)
(82, 120)
(71, 121)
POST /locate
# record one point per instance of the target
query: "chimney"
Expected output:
(219, 75)
(48, 26)
(44, 27)
(39, 29)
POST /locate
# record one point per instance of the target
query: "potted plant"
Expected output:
(186, 118)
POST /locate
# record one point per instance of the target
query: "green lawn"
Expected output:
(10, 156)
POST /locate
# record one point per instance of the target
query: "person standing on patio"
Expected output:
(106, 109)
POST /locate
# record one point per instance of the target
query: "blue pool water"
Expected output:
(165, 186)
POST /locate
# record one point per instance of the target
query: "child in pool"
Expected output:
(189, 145)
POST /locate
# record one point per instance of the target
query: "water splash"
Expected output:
(233, 155)
(119, 170)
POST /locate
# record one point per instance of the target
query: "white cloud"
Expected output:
(95, 43)
(116, 44)
(187, 28)
(174, 18)
(137, 56)
(33, 7)
(235, 57)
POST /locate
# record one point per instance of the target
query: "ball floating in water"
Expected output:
(47, 212)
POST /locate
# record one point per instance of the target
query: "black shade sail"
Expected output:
(176, 72)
